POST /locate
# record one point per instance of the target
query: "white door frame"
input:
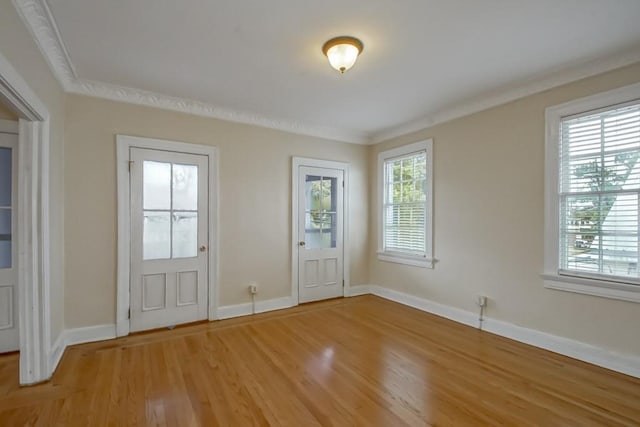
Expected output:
(36, 363)
(327, 164)
(124, 143)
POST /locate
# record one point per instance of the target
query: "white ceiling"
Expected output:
(263, 59)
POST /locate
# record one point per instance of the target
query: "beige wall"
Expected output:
(20, 50)
(255, 201)
(6, 113)
(489, 218)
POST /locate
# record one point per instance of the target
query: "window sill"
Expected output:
(599, 288)
(415, 261)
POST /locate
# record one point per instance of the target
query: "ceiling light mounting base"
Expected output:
(342, 52)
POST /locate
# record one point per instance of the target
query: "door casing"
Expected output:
(124, 144)
(297, 162)
(38, 358)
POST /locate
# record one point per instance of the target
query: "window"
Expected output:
(593, 188)
(405, 191)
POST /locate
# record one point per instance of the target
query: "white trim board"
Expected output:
(238, 310)
(626, 364)
(123, 145)
(39, 20)
(70, 337)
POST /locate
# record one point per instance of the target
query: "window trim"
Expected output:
(601, 287)
(399, 257)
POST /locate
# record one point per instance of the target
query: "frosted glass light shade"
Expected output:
(342, 52)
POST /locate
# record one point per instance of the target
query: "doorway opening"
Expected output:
(9, 331)
(37, 359)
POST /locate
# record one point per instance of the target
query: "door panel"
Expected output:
(320, 224)
(9, 338)
(169, 247)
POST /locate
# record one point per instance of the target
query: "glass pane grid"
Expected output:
(321, 206)
(6, 194)
(170, 200)
(404, 204)
(600, 193)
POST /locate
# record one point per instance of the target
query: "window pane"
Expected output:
(156, 185)
(318, 230)
(185, 234)
(5, 253)
(313, 193)
(5, 177)
(5, 222)
(599, 183)
(156, 236)
(405, 228)
(329, 194)
(321, 205)
(405, 198)
(185, 187)
(329, 231)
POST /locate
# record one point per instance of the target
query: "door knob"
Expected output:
(301, 243)
(203, 248)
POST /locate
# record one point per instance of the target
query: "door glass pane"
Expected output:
(5, 238)
(185, 187)
(313, 187)
(5, 177)
(320, 218)
(329, 194)
(157, 235)
(329, 229)
(185, 234)
(156, 185)
(313, 231)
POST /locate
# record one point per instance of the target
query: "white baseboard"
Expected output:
(57, 350)
(78, 336)
(626, 364)
(90, 334)
(618, 362)
(354, 291)
(455, 314)
(230, 311)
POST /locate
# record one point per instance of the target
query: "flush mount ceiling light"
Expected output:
(342, 52)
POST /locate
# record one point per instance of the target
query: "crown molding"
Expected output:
(189, 106)
(40, 23)
(504, 96)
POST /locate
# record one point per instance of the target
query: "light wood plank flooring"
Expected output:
(358, 361)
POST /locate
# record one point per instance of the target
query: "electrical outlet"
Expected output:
(253, 289)
(482, 301)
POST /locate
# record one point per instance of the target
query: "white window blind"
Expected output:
(599, 193)
(405, 204)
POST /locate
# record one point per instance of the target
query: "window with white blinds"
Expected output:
(406, 204)
(599, 193)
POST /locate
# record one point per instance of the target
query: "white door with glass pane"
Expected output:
(9, 339)
(169, 238)
(320, 228)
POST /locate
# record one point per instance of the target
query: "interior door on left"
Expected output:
(9, 338)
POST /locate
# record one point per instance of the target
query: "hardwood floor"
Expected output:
(358, 361)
